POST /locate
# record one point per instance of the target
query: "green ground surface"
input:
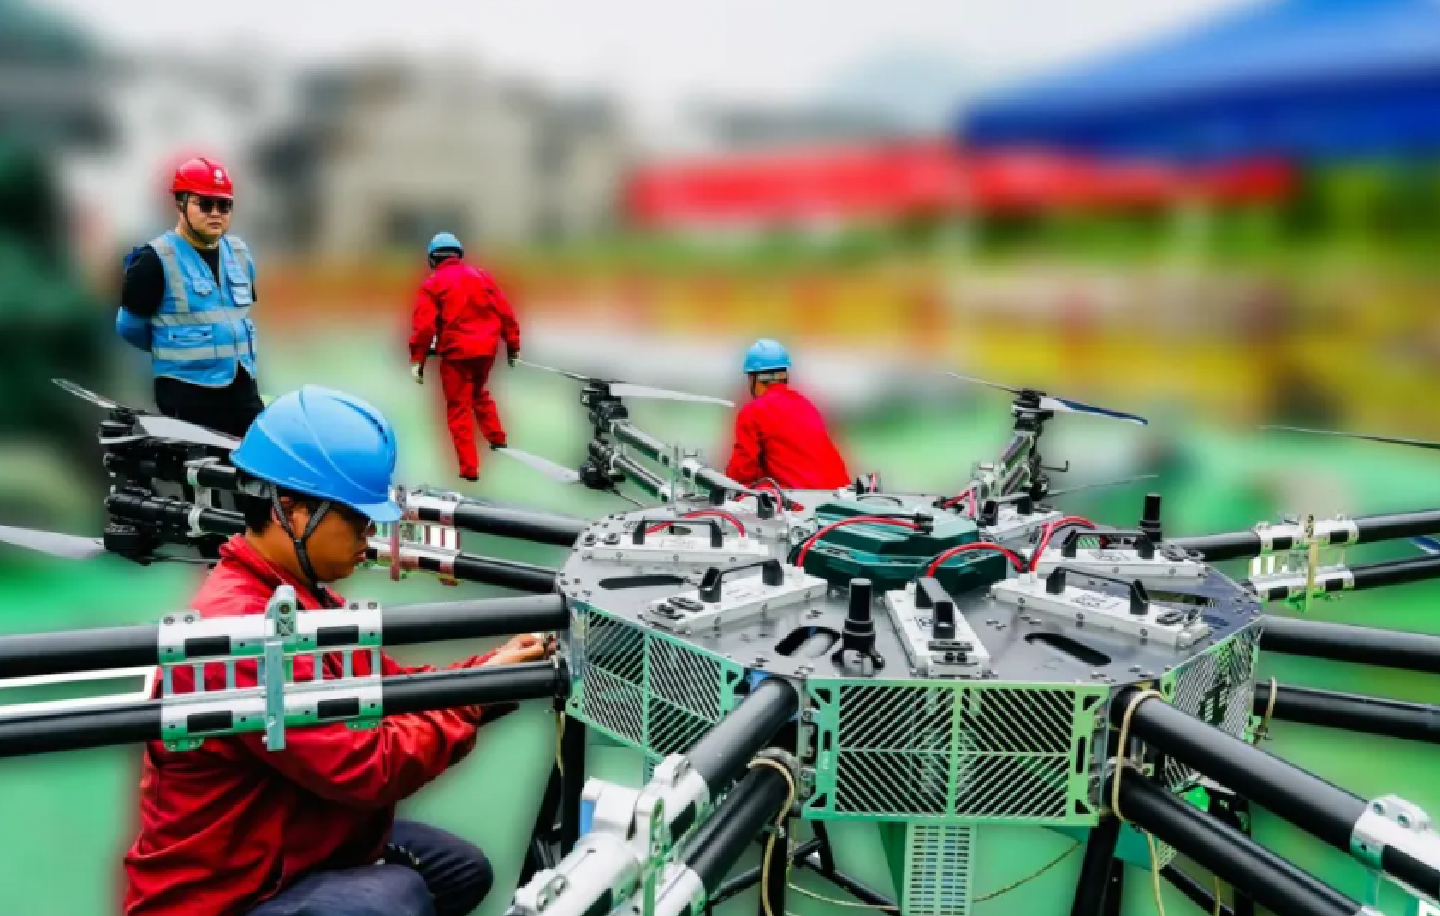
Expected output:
(72, 814)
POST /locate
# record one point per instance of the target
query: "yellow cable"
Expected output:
(779, 825)
(1263, 729)
(1120, 765)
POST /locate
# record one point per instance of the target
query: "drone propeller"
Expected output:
(630, 390)
(1393, 440)
(1428, 544)
(1104, 483)
(64, 546)
(156, 426)
(545, 466)
(1057, 405)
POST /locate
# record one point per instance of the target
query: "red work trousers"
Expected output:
(466, 403)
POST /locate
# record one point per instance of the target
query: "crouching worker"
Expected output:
(232, 829)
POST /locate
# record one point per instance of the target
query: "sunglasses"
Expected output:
(209, 205)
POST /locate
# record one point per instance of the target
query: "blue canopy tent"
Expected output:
(1304, 80)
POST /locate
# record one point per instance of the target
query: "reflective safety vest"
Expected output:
(201, 332)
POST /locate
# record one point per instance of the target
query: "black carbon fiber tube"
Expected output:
(1191, 888)
(523, 577)
(724, 838)
(1344, 643)
(1374, 528)
(1273, 882)
(1396, 572)
(537, 527)
(1302, 798)
(721, 755)
(65, 651)
(1216, 547)
(1351, 712)
(141, 721)
(172, 514)
(410, 624)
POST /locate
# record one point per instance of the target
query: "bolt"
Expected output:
(1096, 675)
(1134, 669)
(169, 619)
(760, 660)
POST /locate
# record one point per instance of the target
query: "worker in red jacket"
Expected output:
(779, 435)
(462, 313)
(234, 829)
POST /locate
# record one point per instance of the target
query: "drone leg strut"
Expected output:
(572, 762)
(1095, 871)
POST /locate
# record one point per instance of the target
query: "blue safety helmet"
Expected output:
(445, 241)
(766, 356)
(324, 444)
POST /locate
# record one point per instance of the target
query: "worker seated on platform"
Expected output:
(234, 829)
(780, 436)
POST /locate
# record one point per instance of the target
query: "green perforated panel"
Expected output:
(954, 752)
(644, 688)
(932, 867)
(1216, 687)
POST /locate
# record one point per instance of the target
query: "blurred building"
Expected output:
(383, 153)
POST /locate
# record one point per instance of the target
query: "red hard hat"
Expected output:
(202, 176)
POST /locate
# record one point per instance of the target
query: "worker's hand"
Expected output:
(527, 647)
(417, 372)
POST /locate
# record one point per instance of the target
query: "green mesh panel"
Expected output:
(1217, 687)
(644, 688)
(952, 752)
(932, 865)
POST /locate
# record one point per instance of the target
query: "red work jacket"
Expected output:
(229, 825)
(465, 307)
(782, 436)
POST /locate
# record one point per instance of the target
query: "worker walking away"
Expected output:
(186, 299)
(779, 435)
(462, 311)
(233, 829)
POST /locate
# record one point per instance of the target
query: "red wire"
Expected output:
(872, 519)
(702, 513)
(1049, 531)
(1015, 561)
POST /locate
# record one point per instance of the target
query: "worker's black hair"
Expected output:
(259, 511)
(440, 254)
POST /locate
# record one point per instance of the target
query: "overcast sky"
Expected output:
(658, 53)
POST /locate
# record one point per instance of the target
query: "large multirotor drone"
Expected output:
(934, 664)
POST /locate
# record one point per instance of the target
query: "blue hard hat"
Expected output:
(445, 240)
(327, 445)
(766, 356)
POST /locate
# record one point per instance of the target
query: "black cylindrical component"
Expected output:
(1216, 547)
(1302, 798)
(861, 597)
(943, 614)
(572, 764)
(419, 623)
(523, 577)
(1145, 548)
(1139, 598)
(140, 721)
(64, 651)
(80, 729)
(1191, 888)
(1396, 572)
(724, 838)
(1235, 858)
(538, 527)
(772, 573)
(172, 514)
(1150, 518)
(1055, 582)
(722, 754)
(1351, 712)
(472, 687)
(765, 505)
(35, 654)
(989, 513)
(1095, 869)
(1374, 528)
(642, 477)
(1344, 643)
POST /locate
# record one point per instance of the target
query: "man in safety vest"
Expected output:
(779, 435)
(462, 313)
(234, 829)
(186, 299)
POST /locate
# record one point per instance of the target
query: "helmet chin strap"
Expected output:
(300, 552)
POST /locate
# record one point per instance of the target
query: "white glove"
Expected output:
(417, 371)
